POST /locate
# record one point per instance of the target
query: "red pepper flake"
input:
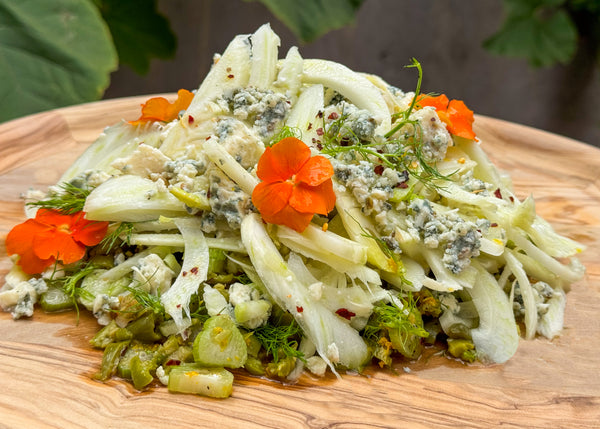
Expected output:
(190, 119)
(194, 270)
(512, 200)
(173, 362)
(320, 131)
(184, 273)
(497, 193)
(299, 309)
(208, 138)
(309, 126)
(379, 169)
(345, 313)
(320, 114)
(230, 76)
(333, 115)
(493, 224)
(402, 185)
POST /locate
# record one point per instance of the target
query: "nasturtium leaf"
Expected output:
(52, 53)
(310, 19)
(537, 30)
(139, 31)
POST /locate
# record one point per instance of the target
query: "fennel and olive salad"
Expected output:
(289, 215)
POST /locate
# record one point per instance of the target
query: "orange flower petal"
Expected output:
(282, 160)
(89, 232)
(55, 218)
(19, 239)
(155, 109)
(270, 169)
(271, 198)
(159, 108)
(31, 264)
(440, 102)
(313, 199)
(58, 244)
(184, 98)
(461, 120)
(290, 217)
(315, 171)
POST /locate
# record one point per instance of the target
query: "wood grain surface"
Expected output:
(46, 363)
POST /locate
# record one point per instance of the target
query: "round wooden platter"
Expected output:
(46, 363)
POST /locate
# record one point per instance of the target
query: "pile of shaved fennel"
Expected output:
(427, 243)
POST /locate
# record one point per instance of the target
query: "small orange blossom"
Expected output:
(454, 113)
(294, 185)
(159, 108)
(52, 236)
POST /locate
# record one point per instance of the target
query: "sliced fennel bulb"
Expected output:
(496, 338)
(336, 341)
(193, 272)
(130, 198)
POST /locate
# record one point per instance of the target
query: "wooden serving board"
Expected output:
(46, 363)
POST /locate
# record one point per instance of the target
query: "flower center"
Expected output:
(64, 228)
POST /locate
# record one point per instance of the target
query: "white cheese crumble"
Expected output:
(20, 298)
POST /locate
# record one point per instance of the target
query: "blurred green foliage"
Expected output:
(547, 32)
(61, 52)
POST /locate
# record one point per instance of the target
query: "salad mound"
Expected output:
(289, 215)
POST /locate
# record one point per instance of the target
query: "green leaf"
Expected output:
(139, 31)
(52, 53)
(538, 30)
(310, 19)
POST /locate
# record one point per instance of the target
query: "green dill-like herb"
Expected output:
(280, 338)
(388, 316)
(70, 200)
(286, 131)
(70, 283)
(122, 229)
(338, 138)
(147, 300)
(406, 114)
(198, 309)
(242, 278)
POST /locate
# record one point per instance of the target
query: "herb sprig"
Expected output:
(277, 339)
(71, 283)
(387, 316)
(121, 231)
(401, 153)
(70, 199)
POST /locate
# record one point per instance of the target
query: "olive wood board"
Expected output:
(46, 363)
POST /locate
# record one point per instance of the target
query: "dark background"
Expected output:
(444, 35)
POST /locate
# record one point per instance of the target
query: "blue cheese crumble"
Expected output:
(434, 136)
(459, 238)
(227, 202)
(264, 109)
(356, 124)
(371, 190)
(21, 298)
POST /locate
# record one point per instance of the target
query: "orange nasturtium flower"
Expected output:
(454, 113)
(294, 185)
(160, 109)
(52, 236)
